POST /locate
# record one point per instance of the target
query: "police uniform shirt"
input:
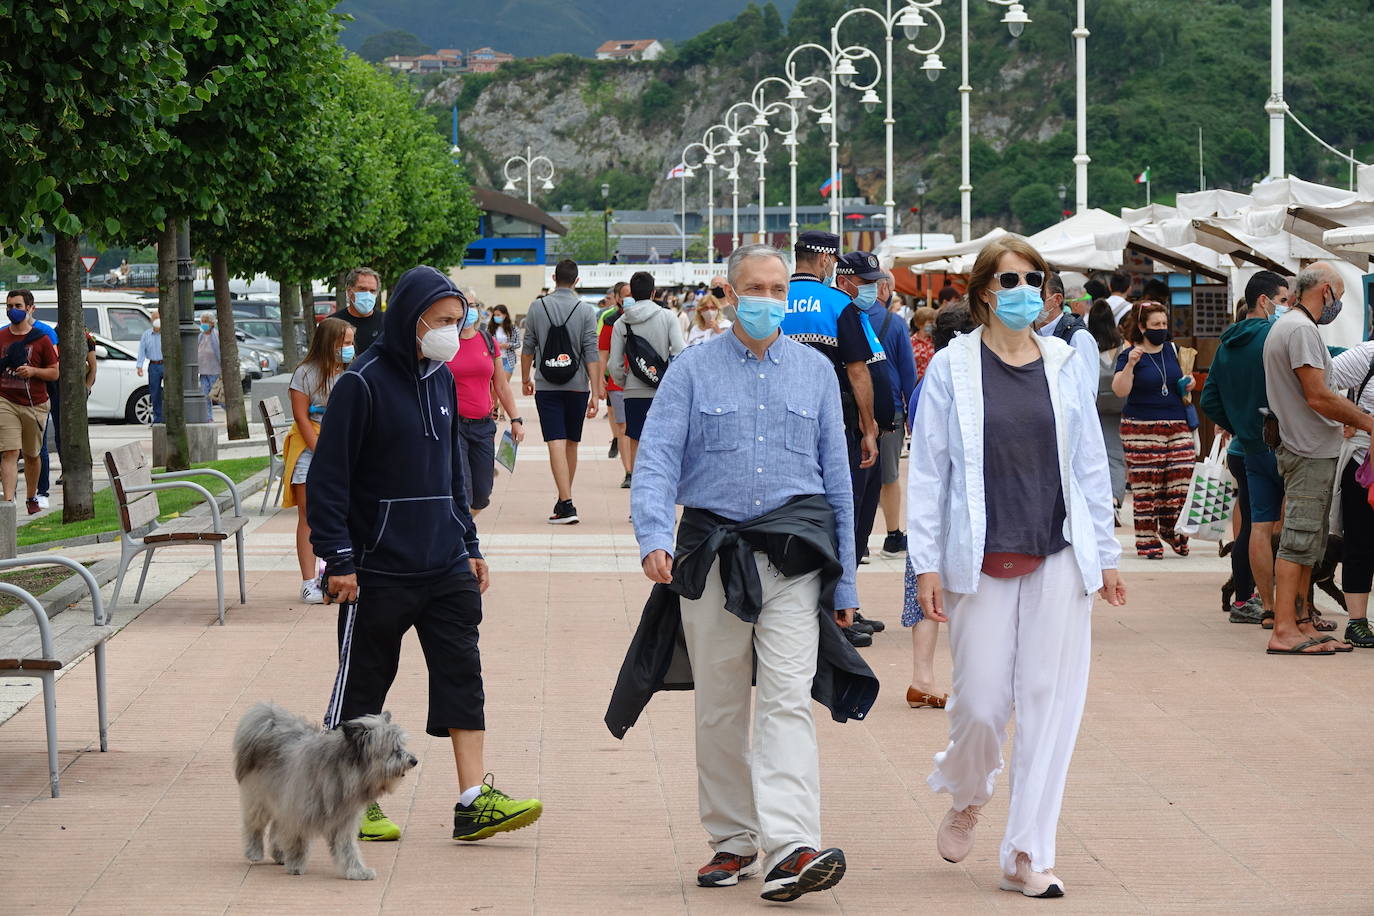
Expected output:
(825, 318)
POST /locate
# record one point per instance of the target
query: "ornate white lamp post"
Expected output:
(530, 163)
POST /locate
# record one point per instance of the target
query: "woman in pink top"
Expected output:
(478, 374)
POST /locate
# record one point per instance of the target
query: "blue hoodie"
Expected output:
(387, 483)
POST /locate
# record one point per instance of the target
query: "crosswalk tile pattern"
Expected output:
(1208, 778)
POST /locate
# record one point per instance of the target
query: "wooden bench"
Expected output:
(276, 423)
(136, 487)
(41, 650)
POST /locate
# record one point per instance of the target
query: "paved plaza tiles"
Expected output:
(1208, 777)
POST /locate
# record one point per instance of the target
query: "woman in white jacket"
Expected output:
(1007, 442)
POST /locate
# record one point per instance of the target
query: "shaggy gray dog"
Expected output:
(301, 780)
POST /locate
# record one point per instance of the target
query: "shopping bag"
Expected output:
(1211, 496)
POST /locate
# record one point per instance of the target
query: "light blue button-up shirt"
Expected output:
(740, 436)
(149, 347)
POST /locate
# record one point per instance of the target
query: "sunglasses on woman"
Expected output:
(1011, 279)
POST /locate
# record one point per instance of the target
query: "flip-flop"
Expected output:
(1299, 649)
(1340, 646)
(1267, 620)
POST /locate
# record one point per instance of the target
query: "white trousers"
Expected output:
(765, 794)
(1020, 644)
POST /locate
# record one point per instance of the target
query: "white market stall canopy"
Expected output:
(1350, 238)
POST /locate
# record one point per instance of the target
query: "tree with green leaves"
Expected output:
(587, 240)
(87, 91)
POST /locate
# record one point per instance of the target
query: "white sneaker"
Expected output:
(310, 592)
(42, 502)
(1032, 883)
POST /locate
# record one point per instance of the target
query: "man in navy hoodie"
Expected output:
(389, 517)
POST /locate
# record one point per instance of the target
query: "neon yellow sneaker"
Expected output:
(493, 812)
(377, 826)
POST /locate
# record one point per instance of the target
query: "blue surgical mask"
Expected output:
(867, 295)
(1019, 307)
(760, 316)
(205, 327)
(1279, 310)
(364, 301)
(16, 316)
(347, 353)
(472, 317)
(499, 319)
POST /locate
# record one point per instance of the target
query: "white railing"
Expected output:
(601, 276)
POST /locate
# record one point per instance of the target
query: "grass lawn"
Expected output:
(34, 581)
(171, 503)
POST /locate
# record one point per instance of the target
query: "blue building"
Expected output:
(510, 231)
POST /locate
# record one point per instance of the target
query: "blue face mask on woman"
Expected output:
(1019, 307)
(347, 353)
(867, 295)
(760, 316)
(499, 319)
(472, 317)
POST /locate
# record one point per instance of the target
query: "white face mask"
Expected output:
(440, 343)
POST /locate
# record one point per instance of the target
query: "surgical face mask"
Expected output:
(1279, 310)
(867, 295)
(205, 327)
(760, 316)
(16, 316)
(1157, 336)
(347, 353)
(499, 319)
(708, 314)
(364, 301)
(157, 326)
(471, 318)
(439, 344)
(1329, 311)
(1017, 308)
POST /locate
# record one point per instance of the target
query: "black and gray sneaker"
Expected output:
(1359, 634)
(863, 558)
(894, 545)
(564, 513)
(625, 484)
(803, 872)
(1252, 611)
(614, 450)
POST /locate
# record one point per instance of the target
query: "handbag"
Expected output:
(1211, 497)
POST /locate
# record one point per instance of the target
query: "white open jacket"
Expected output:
(946, 511)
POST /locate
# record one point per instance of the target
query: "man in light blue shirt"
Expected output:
(150, 352)
(747, 428)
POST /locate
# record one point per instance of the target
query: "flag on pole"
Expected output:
(830, 184)
(1143, 177)
(677, 171)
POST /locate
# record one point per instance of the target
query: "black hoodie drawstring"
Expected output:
(426, 415)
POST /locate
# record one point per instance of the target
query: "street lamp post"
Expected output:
(1276, 107)
(1063, 201)
(921, 189)
(798, 101)
(605, 223)
(529, 161)
(1081, 159)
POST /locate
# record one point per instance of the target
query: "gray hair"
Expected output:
(740, 255)
(1314, 275)
(207, 316)
(357, 272)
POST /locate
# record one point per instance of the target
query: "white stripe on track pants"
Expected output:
(1019, 643)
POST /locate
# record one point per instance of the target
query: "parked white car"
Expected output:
(119, 392)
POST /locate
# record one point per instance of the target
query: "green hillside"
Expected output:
(1158, 69)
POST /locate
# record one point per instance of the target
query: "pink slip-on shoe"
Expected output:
(1032, 883)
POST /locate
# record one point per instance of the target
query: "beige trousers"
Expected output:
(762, 794)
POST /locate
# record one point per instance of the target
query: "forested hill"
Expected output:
(1157, 71)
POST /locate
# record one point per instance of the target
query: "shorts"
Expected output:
(1266, 487)
(617, 401)
(561, 414)
(21, 427)
(636, 412)
(302, 467)
(1308, 484)
(477, 439)
(890, 451)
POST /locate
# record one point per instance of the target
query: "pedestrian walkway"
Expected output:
(1208, 777)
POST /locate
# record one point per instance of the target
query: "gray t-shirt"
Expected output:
(1023, 493)
(306, 380)
(1292, 343)
(548, 311)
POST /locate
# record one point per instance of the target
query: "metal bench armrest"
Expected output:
(206, 472)
(184, 485)
(91, 585)
(40, 615)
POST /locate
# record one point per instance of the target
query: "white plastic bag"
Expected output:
(1211, 497)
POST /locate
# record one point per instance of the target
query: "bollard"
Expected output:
(9, 528)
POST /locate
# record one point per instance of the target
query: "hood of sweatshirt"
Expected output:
(640, 312)
(418, 289)
(1246, 333)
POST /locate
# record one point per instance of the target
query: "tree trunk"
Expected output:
(308, 312)
(230, 375)
(340, 291)
(169, 307)
(290, 302)
(78, 498)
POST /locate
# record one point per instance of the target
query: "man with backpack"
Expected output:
(643, 341)
(560, 340)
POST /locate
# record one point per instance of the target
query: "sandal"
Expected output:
(1267, 620)
(1320, 623)
(919, 699)
(1299, 649)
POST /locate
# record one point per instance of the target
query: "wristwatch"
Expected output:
(517, 420)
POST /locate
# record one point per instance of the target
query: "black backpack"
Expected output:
(643, 359)
(559, 360)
